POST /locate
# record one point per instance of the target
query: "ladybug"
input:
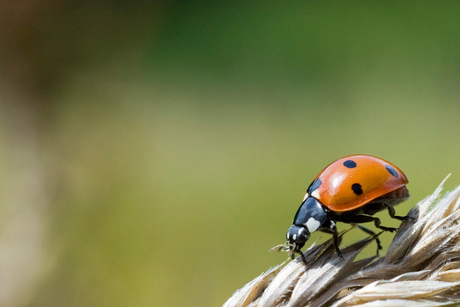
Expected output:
(349, 190)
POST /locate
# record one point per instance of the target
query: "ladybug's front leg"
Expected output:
(332, 229)
(335, 237)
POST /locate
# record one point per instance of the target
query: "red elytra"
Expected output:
(353, 181)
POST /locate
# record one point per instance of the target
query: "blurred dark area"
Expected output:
(153, 152)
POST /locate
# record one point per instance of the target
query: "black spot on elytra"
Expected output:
(356, 187)
(349, 164)
(314, 185)
(392, 171)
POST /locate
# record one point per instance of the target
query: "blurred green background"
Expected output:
(152, 153)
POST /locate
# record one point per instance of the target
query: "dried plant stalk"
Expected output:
(421, 267)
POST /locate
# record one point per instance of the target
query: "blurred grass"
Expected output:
(179, 151)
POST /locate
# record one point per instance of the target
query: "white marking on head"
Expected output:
(305, 197)
(312, 224)
(315, 194)
(294, 237)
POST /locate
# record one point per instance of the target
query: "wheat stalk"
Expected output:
(421, 267)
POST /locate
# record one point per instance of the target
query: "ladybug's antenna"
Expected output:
(285, 247)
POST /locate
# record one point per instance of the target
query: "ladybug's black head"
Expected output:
(297, 235)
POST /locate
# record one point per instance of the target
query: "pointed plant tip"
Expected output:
(422, 264)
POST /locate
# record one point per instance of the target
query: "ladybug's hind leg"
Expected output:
(357, 219)
(377, 223)
(393, 215)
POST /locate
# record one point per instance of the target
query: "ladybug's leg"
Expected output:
(355, 219)
(377, 224)
(368, 231)
(332, 229)
(335, 237)
(393, 215)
